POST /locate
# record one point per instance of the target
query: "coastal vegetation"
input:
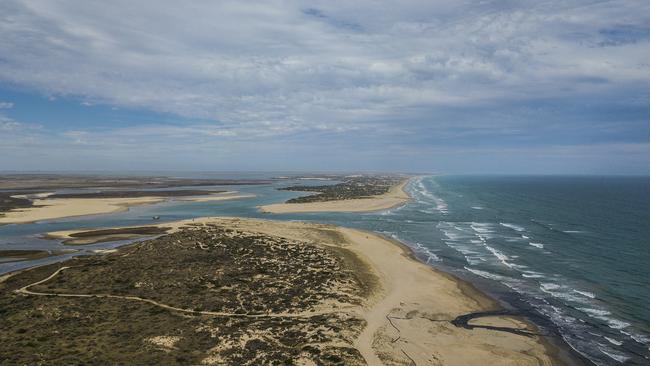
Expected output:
(205, 294)
(358, 187)
(45, 182)
(7, 202)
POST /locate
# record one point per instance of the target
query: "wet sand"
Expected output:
(393, 198)
(76, 237)
(410, 311)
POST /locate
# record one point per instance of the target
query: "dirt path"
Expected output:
(307, 314)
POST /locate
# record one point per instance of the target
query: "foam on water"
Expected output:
(425, 196)
(639, 338)
(613, 341)
(562, 292)
(512, 226)
(532, 274)
(619, 357)
(590, 295)
(431, 256)
(486, 274)
(604, 315)
(501, 249)
(481, 227)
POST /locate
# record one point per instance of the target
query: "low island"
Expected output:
(354, 194)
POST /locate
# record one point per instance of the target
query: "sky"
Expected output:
(436, 86)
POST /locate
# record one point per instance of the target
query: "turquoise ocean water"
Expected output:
(573, 253)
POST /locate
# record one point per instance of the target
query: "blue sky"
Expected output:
(431, 86)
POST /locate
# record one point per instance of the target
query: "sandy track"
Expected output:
(25, 290)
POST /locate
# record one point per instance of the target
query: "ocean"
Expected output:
(574, 249)
(573, 253)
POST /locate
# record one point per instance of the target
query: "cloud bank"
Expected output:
(428, 77)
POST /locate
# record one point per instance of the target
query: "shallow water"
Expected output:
(574, 249)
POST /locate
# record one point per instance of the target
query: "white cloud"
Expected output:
(8, 125)
(314, 63)
(376, 80)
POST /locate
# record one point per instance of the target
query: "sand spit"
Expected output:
(409, 309)
(48, 209)
(56, 208)
(393, 198)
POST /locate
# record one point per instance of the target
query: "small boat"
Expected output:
(156, 217)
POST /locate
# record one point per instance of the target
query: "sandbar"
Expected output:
(56, 208)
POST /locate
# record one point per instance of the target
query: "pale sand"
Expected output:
(214, 197)
(56, 208)
(419, 301)
(396, 196)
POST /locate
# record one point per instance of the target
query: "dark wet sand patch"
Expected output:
(23, 255)
(7, 202)
(105, 235)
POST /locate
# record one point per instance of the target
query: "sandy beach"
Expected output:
(409, 311)
(215, 197)
(396, 196)
(55, 208)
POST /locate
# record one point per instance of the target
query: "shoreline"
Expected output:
(560, 351)
(462, 297)
(395, 197)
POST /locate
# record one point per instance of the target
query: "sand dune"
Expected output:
(409, 312)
